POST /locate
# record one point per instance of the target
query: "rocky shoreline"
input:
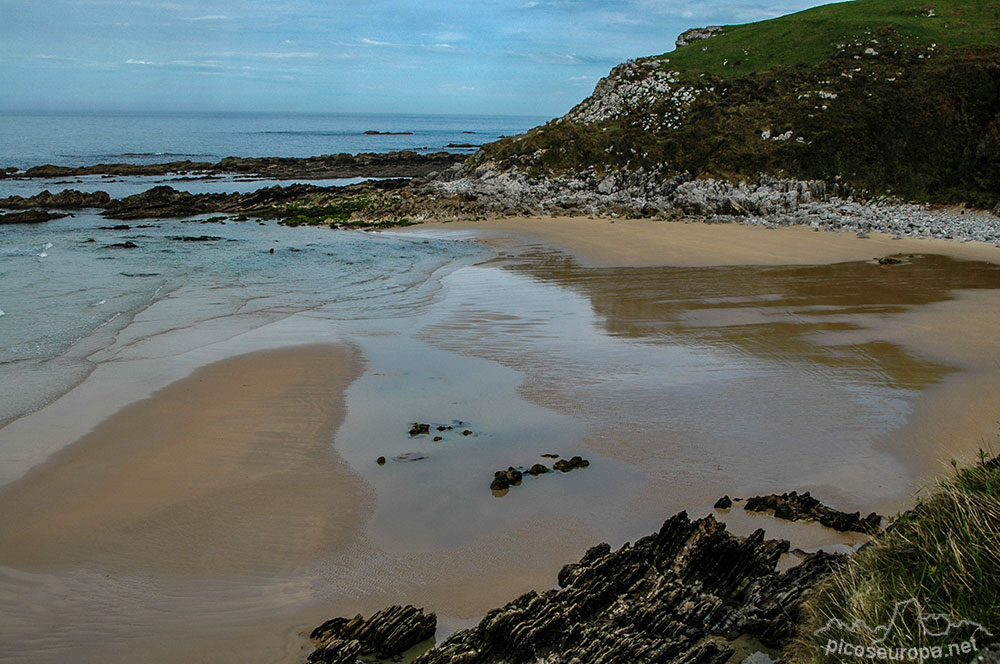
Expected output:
(463, 192)
(691, 593)
(403, 163)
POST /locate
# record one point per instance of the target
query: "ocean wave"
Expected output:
(38, 251)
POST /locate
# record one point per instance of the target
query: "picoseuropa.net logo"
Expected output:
(931, 636)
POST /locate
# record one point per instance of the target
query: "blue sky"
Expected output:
(521, 57)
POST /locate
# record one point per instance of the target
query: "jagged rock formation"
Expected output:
(387, 633)
(680, 595)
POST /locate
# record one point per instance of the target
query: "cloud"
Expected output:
(285, 56)
(438, 47)
(376, 42)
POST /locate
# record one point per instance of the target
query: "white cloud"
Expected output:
(376, 42)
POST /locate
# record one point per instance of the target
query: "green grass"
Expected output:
(809, 37)
(945, 553)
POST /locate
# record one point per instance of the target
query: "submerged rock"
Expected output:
(723, 503)
(388, 633)
(503, 479)
(538, 469)
(571, 464)
(418, 429)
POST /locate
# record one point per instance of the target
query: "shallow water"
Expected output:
(64, 282)
(679, 385)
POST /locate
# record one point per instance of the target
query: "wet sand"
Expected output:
(228, 469)
(602, 242)
(235, 508)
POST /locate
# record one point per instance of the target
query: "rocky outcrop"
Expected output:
(274, 202)
(794, 506)
(403, 163)
(30, 217)
(388, 633)
(69, 199)
(643, 87)
(696, 34)
(679, 595)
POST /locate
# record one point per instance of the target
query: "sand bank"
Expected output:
(229, 469)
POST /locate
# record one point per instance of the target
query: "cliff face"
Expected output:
(858, 93)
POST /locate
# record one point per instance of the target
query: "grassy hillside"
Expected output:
(812, 36)
(891, 96)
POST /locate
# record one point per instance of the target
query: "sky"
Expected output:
(510, 57)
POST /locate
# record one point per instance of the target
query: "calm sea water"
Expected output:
(142, 138)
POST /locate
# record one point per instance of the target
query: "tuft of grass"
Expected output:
(944, 554)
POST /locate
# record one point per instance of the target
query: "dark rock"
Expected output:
(723, 503)
(419, 429)
(159, 202)
(565, 465)
(677, 596)
(372, 132)
(538, 469)
(128, 244)
(889, 260)
(796, 507)
(403, 163)
(30, 217)
(466, 433)
(196, 238)
(70, 199)
(504, 479)
(380, 461)
(550, 456)
(444, 428)
(388, 633)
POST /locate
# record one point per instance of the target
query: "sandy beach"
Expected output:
(685, 360)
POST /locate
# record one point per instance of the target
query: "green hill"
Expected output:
(896, 97)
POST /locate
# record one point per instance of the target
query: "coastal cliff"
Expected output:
(871, 100)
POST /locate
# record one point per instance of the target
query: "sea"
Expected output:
(65, 284)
